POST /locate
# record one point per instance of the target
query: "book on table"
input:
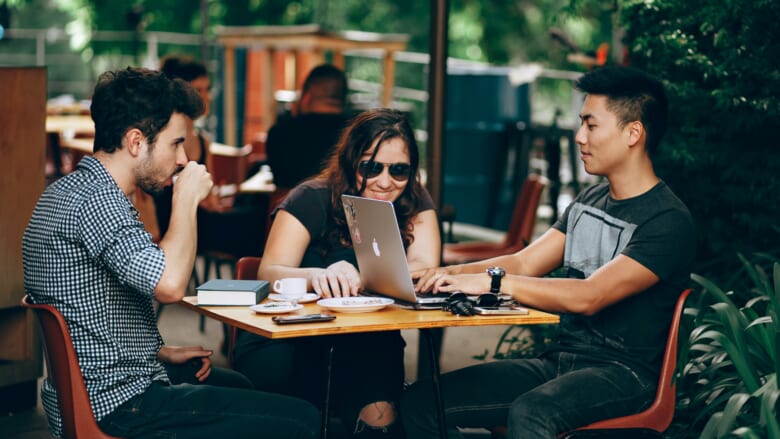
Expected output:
(232, 292)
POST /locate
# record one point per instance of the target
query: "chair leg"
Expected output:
(226, 337)
(206, 269)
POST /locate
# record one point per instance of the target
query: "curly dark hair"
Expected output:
(138, 98)
(380, 124)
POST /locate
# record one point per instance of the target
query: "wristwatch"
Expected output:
(496, 273)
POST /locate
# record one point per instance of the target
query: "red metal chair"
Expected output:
(521, 229)
(655, 419)
(78, 420)
(246, 269)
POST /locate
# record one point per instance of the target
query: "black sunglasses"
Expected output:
(460, 303)
(371, 169)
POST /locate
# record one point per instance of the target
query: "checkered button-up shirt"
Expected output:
(86, 253)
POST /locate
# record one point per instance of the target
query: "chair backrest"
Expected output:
(78, 420)
(659, 415)
(521, 226)
(246, 269)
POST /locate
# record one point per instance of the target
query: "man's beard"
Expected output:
(147, 178)
(149, 186)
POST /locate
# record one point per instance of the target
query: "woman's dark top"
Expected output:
(309, 202)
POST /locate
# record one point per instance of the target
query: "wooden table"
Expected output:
(70, 125)
(74, 132)
(389, 319)
(79, 145)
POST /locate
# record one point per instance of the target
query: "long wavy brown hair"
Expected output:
(341, 173)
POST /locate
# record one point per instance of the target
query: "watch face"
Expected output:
(496, 271)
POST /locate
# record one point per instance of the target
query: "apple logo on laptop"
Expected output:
(375, 246)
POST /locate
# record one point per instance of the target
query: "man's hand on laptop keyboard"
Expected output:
(340, 279)
(439, 280)
(427, 280)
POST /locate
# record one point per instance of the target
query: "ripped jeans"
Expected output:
(534, 398)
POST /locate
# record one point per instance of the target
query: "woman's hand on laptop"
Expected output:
(340, 279)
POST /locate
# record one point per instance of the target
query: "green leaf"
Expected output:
(711, 428)
(759, 280)
(746, 432)
(732, 343)
(769, 394)
(731, 412)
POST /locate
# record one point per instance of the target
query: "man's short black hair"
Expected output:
(138, 98)
(326, 82)
(632, 94)
(184, 67)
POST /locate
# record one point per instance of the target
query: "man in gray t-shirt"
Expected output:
(626, 248)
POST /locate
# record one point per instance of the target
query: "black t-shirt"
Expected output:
(656, 230)
(309, 202)
(298, 148)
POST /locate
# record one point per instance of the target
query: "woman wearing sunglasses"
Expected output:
(376, 157)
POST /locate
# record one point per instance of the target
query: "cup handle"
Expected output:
(278, 286)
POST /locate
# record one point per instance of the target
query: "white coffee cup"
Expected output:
(291, 288)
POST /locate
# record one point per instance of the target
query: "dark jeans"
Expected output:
(185, 410)
(534, 398)
(185, 374)
(367, 367)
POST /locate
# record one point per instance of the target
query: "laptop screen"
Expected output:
(379, 249)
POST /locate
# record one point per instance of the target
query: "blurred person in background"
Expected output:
(298, 147)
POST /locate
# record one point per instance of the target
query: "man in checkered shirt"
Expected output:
(86, 253)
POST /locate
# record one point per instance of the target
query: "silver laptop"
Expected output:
(380, 253)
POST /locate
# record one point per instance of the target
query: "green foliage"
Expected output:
(522, 341)
(731, 359)
(719, 60)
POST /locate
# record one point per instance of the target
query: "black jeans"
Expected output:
(207, 411)
(367, 367)
(534, 398)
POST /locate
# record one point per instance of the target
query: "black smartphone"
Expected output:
(302, 318)
(500, 310)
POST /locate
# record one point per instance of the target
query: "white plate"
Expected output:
(306, 298)
(275, 307)
(355, 304)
